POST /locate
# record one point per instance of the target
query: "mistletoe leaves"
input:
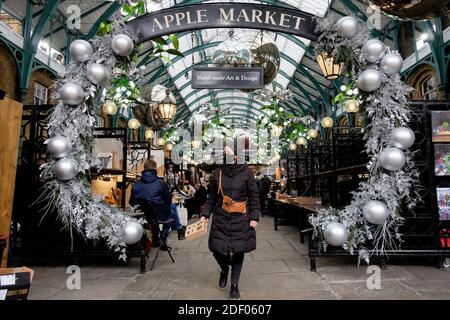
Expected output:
(164, 47)
(133, 10)
(105, 28)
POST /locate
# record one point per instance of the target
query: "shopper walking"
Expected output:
(233, 200)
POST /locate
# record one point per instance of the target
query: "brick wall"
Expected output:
(416, 79)
(8, 78)
(44, 78)
(12, 22)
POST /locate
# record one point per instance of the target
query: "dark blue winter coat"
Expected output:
(151, 188)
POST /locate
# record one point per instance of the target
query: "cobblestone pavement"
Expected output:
(278, 269)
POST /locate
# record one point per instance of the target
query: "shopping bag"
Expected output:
(183, 215)
(196, 230)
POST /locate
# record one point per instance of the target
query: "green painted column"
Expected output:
(436, 42)
(31, 41)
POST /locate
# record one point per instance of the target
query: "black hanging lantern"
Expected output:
(167, 108)
(330, 69)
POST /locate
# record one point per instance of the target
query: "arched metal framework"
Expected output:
(43, 20)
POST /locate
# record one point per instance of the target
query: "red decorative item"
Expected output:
(445, 239)
(148, 245)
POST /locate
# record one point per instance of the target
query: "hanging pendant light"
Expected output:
(133, 124)
(109, 107)
(313, 133)
(161, 141)
(330, 69)
(167, 108)
(149, 134)
(351, 106)
(327, 122)
(301, 141)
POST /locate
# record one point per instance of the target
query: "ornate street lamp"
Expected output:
(330, 69)
(277, 131)
(167, 108)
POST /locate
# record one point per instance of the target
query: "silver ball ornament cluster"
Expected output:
(73, 94)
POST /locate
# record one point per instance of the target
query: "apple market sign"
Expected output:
(223, 15)
(227, 78)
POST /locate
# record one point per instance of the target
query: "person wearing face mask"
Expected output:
(233, 201)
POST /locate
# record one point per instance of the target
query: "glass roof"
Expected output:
(298, 71)
(199, 47)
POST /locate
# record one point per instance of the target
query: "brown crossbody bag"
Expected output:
(228, 204)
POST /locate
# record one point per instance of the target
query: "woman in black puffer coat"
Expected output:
(232, 234)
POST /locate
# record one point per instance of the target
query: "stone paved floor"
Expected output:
(278, 269)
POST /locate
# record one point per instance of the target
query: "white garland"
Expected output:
(385, 109)
(76, 207)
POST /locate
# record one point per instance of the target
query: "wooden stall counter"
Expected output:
(10, 124)
(297, 209)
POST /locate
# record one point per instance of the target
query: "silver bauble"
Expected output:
(402, 138)
(59, 146)
(373, 50)
(335, 234)
(392, 159)
(81, 50)
(122, 45)
(369, 80)
(347, 27)
(72, 93)
(391, 63)
(132, 232)
(375, 212)
(65, 169)
(97, 73)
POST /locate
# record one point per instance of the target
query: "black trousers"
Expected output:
(236, 260)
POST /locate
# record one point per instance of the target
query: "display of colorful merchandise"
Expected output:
(441, 126)
(442, 160)
(443, 198)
